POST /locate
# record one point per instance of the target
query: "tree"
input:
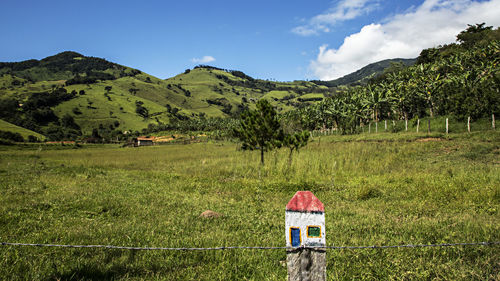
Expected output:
(260, 129)
(95, 133)
(32, 138)
(133, 91)
(473, 34)
(295, 142)
(68, 121)
(8, 108)
(141, 110)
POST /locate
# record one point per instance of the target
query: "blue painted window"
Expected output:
(295, 236)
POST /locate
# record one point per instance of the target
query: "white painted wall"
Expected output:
(302, 220)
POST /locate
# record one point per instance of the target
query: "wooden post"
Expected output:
(468, 124)
(418, 124)
(385, 124)
(376, 127)
(369, 127)
(493, 121)
(304, 230)
(406, 124)
(446, 125)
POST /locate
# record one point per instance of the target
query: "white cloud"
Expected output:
(433, 23)
(205, 59)
(344, 10)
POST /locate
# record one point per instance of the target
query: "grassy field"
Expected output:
(384, 190)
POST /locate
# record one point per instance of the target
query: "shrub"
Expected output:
(32, 138)
(11, 136)
(76, 111)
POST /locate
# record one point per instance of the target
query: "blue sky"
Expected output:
(282, 40)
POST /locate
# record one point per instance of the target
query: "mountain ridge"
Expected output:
(362, 75)
(100, 95)
(69, 95)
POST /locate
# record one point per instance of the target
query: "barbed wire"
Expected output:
(414, 245)
(257, 247)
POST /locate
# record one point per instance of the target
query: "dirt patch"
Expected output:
(210, 214)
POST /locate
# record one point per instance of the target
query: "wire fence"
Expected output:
(257, 247)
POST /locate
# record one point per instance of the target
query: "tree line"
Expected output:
(37, 115)
(461, 79)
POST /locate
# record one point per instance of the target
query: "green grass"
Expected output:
(277, 95)
(311, 97)
(103, 111)
(383, 192)
(9, 127)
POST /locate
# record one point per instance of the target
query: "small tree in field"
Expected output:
(260, 129)
(295, 142)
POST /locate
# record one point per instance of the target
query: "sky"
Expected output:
(266, 39)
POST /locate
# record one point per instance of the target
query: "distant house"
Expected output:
(143, 141)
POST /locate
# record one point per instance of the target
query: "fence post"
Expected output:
(376, 127)
(468, 124)
(369, 127)
(418, 124)
(385, 124)
(305, 229)
(493, 121)
(406, 124)
(446, 125)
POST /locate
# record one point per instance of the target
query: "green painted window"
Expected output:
(313, 231)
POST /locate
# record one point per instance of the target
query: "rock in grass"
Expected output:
(210, 214)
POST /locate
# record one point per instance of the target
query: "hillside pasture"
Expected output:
(96, 109)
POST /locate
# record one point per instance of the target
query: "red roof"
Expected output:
(305, 201)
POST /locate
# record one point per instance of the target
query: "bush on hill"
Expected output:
(16, 137)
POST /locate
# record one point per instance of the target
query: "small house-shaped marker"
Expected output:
(305, 221)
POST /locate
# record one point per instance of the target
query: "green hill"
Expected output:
(25, 133)
(69, 95)
(65, 66)
(363, 75)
